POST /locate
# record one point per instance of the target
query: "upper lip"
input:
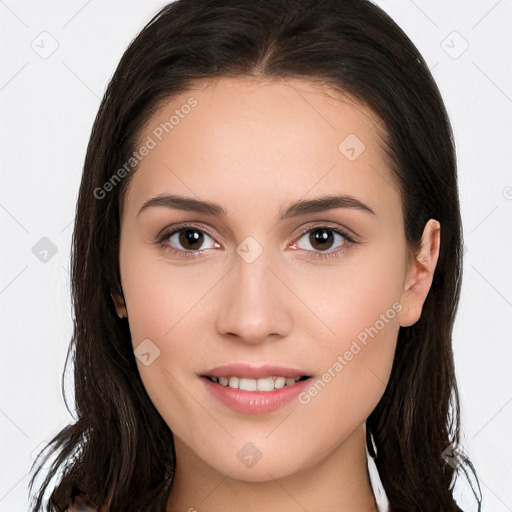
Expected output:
(254, 371)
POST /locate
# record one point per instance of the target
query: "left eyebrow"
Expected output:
(323, 203)
(301, 207)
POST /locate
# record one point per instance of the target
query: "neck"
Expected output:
(338, 483)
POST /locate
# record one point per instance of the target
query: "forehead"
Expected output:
(254, 136)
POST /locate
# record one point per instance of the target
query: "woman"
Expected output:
(266, 269)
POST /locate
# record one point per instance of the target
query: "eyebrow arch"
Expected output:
(301, 207)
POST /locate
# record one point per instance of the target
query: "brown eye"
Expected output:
(190, 239)
(321, 238)
(186, 239)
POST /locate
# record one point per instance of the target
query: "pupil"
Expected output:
(190, 237)
(321, 236)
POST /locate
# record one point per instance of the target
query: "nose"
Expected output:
(255, 305)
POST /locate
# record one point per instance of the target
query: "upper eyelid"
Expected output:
(171, 230)
(340, 230)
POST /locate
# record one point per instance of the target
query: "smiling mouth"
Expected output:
(262, 384)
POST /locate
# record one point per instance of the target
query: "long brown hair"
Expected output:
(120, 451)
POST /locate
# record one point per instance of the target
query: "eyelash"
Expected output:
(164, 237)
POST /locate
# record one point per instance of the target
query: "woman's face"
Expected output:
(319, 289)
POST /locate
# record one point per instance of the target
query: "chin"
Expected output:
(263, 467)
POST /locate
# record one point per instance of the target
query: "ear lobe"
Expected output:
(420, 274)
(119, 304)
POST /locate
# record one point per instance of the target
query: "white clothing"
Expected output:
(378, 490)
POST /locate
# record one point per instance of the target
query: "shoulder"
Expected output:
(81, 503)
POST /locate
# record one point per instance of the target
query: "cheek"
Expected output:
(362, 292)
(164, 311)
(354, 368)
(161, 297)
(359, 305)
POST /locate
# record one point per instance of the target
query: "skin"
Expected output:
(254, 146)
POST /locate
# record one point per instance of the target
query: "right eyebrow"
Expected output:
(185, 203)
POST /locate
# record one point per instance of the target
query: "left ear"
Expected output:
(119, 305)
(420, 274)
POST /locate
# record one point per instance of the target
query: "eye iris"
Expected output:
(321, 236)
(189, 237)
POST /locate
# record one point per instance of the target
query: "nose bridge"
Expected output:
(253, 305)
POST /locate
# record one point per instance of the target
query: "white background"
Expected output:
(47, 109)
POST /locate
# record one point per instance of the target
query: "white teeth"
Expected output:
(247, 384)
(280, 382)
(266, 384)
(262, 384)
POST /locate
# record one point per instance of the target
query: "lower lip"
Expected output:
(255, 402)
